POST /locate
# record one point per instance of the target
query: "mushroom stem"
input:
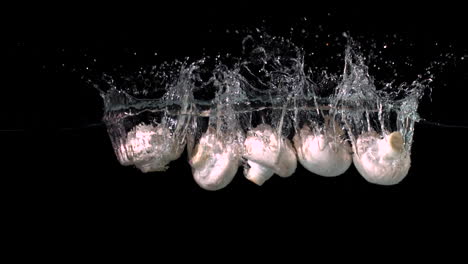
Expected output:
(257, 173)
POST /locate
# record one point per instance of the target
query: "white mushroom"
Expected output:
(152, 148)
(382, 160)
(214, 163)
(268, 154)
(323, 153)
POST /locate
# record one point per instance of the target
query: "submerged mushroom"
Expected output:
(214, 162)
(268, 154)
(323, 152)
(152, 148)
(382, 160)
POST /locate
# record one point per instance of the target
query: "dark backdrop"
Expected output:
(54, 145)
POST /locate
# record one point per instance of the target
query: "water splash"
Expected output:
(153, 114)
(366, 109)
(149, 133)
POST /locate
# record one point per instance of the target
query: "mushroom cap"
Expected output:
(287, 162)
(382, 160)
(214, 164)
(153, 148)
(321, 155)
(266, 154)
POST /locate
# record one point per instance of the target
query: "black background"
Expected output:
(52, 152)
